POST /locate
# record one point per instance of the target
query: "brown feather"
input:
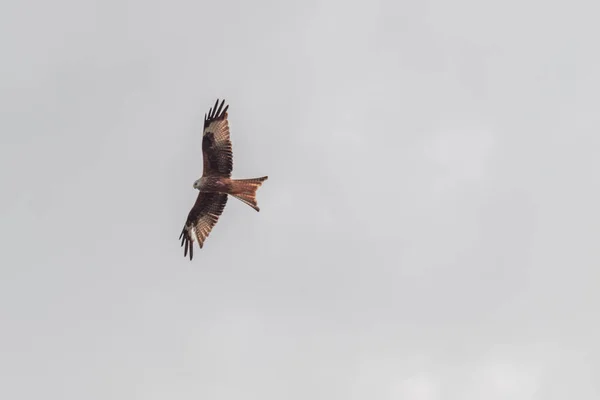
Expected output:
(216, 142)
(202, 218)
(216, 183)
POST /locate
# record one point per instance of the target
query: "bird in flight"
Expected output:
(215, 184)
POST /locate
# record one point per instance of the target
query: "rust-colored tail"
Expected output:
(245, 190)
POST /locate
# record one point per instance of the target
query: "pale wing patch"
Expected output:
(220, 129)
(204, 227)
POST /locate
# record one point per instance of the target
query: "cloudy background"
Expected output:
(428, 231)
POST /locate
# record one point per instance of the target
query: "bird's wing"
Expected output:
(201, 219)
(216, 144)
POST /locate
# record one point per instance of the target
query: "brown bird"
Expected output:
(215, 184)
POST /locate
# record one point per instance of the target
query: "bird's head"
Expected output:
(197, 184)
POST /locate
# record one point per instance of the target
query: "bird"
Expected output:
(215, 184)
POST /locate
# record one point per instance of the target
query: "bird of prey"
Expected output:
(215, 184)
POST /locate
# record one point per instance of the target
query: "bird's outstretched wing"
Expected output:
(216, 144)
(201, 219)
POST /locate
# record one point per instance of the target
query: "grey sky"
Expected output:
(428, 231)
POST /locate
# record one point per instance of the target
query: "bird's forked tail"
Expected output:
(245, 190)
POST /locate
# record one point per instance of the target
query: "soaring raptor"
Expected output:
(215, 184)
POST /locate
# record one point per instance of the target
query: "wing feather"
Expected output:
(216, 142)
(202, 218)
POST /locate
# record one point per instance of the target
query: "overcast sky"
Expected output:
(429, 229)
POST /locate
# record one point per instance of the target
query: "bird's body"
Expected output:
(215, 184)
